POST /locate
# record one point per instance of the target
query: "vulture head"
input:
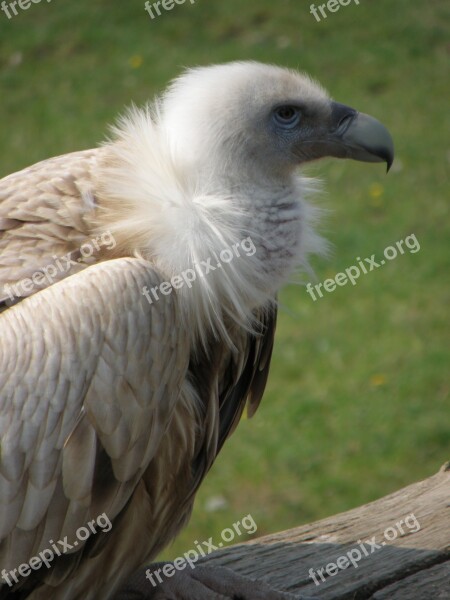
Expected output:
(215, 160)
(265, 121)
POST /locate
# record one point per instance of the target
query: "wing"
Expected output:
(90, 373)
(44, 216)
(229, 380)
(244, 381)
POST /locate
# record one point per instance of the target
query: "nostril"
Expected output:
(345, 121)
(341, 117)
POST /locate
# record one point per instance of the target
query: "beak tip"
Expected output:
(370, 140)
(389, 156)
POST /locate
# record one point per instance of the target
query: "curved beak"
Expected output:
(364, 138)
(351, 134)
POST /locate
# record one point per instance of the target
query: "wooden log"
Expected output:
(396, 548)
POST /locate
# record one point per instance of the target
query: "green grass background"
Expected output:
(357, 401)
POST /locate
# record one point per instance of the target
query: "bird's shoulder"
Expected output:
(45, 212)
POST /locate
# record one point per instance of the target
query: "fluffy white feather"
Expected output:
(176, 188)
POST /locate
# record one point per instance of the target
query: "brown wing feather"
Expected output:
(227, 381)
(87, 391)
(44, 215)
(246, 387)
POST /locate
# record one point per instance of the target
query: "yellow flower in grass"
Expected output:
(136, 61)
(376, 191)
(377, 380)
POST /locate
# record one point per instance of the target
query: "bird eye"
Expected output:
(287, 116)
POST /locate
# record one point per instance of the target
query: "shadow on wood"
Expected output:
(396, 548)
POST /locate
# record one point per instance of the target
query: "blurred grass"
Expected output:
(357, 402)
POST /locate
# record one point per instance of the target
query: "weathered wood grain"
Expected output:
(413, 566)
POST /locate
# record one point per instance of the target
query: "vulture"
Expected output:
(138, 301)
